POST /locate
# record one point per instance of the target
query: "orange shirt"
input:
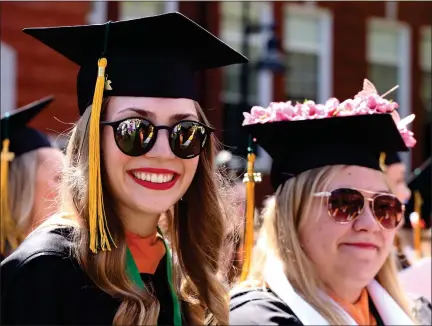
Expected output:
(358, 311)
(147, 252)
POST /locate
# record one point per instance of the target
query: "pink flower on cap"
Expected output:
(368, 101)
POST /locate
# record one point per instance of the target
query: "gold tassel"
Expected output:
(382, 164)
(100, 236)
(9, 231)
(250, 212)
(418, 203)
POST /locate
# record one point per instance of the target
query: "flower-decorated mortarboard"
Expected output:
(17, 139)
(155, 56)
(304, 136)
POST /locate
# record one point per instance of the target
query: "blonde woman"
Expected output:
(34, 167)
(324, 253)
(110, 264)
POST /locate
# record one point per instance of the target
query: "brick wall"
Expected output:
(41, 71)
(349, 58)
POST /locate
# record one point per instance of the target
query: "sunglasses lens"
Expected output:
(344, 204)
(187, 139)
(388, 210)
(135, 137)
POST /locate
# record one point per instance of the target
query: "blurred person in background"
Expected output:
(395, 171)
(33, 173)
(324, 255)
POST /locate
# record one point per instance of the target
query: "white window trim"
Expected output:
(8, 78)
(404, 70)
(99, 13)
(234, 37)
(324, 50)
(171, 6)
(263, 162)
(391, 10)
(424, 30)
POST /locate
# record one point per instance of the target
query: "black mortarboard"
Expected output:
(298, 146)
(154, 56)
(22, 138)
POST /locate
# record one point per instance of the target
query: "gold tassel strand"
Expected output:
(100, 236)
(250, 178)
(8, 227)
(382, 164)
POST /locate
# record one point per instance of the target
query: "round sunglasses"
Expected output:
(344, 205)
(137, 136)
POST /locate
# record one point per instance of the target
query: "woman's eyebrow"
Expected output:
(174, 118)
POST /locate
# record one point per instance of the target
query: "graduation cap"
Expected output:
(17, 139)
(23, 139)
(305, 136)
(299, 146)
(156, 56)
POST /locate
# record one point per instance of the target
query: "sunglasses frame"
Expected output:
(327, 195)
(116, 124)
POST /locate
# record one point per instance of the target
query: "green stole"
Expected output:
(135, 276)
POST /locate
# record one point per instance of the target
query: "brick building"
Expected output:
(329, 47)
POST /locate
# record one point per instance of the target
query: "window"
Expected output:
(388, 55)
(8, 78)
(232, 33)
(98, 13)
(137, 9)
(308, 46)
(426, 68)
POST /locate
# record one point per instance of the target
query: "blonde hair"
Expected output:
(284, 215)
(21, 185)
(195, 254)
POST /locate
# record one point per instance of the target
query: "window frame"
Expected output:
(402, 62)
(323, 49)
(98, 13)
(9, 78)
(234, 37)
(168, 6)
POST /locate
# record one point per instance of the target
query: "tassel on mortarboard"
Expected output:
(9, 231)
(382, 160)
(100, 237)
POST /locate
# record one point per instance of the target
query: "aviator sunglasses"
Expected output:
(137, 136)
(344, 205)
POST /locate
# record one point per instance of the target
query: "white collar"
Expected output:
(389, 311)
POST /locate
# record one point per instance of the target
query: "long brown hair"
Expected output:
(196, 239)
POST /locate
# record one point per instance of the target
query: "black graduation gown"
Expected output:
(259, 307)
(42, 284)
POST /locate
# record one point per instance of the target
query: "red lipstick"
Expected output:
(154, 185)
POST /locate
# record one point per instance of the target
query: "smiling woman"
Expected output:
(142, 149)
